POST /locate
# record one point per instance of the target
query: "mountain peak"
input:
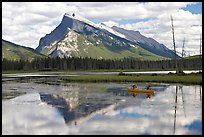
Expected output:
(79, 18)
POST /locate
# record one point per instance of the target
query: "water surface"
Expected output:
(51, 106)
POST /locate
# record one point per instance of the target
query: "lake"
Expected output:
(47, 105)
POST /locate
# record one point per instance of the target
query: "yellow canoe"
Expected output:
(142, 91)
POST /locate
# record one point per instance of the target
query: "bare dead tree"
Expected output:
(174, 45)
(200, 51)
(183, 48)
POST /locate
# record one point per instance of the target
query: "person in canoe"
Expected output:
(134, 87)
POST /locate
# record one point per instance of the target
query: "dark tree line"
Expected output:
(93, 64)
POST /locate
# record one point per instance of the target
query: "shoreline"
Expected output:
(122, 76)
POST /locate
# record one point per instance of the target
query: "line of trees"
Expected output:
(93, 64)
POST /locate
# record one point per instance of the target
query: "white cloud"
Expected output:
(34, 20)
(186, 25)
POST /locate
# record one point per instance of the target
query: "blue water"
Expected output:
(195, 125)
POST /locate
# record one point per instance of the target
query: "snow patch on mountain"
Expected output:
(66, 46)
(50, 48)
(87, 43)
(133, 46)
(103, 26)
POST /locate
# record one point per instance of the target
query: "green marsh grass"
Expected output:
(165, 78)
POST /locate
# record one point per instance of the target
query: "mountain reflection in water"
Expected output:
(72, 108)
(53, 107)
(71, 114)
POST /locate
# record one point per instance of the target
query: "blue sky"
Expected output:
(195, 9)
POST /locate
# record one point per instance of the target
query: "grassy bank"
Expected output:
(166, 78)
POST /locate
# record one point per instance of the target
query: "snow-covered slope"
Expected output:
(144, 42)
(100, 26)
(103, 26)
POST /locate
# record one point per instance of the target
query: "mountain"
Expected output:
(13, 51)
(78, 37)
(149, 44)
